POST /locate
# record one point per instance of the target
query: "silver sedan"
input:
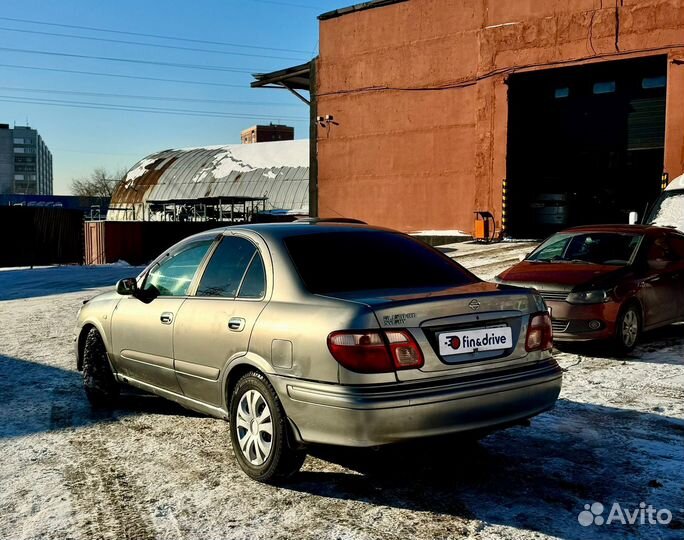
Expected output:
(320, 333)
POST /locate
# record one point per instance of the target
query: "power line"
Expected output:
(121, 76)
(131, 108)
(132, 61)
(158, 36)
(289, 4)
(126, 42)
(94, 152)
(152, 98)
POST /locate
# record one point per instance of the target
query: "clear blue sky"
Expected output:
(82, 137)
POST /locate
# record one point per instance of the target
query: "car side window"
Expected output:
(226, 268)
(173, 275)
(659, 250)
(254, 284)
(677, 244)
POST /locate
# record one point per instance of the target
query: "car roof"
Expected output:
(296, 228)
(282, 230)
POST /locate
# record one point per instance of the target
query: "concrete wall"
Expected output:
(419, 92)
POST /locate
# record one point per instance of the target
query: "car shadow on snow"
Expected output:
(30, 283)
(662, 346)
(536, 478)
(36, 398)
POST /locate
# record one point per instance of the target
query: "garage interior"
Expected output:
(585, 144)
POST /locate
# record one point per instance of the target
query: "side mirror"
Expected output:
(633, 218)
(127, 287)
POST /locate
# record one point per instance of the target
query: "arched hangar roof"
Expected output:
(277, 172)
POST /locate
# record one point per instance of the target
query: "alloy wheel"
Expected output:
(630, 328)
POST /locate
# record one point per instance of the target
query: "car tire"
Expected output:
(627, 329)
(99, 383)
(259, 431)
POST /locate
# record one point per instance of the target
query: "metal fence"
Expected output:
(135, 242)
(34, 236)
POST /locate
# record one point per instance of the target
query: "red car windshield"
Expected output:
(616, 249)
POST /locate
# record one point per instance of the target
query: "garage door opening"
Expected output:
(585, 144)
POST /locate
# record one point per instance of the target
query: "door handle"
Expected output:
(166, 317)
(236, 324)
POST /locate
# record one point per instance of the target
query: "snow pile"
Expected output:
(150, 469)
(137, 171)
(671, 213)
(677, 183)
(16, 283)
(436, 232)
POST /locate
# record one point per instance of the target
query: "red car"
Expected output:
(607, 281)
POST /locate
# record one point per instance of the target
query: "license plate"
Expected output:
(477, 339)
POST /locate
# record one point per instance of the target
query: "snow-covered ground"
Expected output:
(153, 470)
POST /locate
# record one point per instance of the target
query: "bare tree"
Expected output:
(100, 183)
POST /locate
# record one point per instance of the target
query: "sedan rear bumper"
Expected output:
(369, 416)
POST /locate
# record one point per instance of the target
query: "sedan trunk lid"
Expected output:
(499, 313)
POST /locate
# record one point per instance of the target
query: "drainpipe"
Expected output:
(313, 143)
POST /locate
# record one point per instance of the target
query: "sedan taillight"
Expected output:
(539, 333)
(375, 352)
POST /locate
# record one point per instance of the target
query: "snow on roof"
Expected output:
(137, 171)
(248, 157)
(277, 172)
(670, 213)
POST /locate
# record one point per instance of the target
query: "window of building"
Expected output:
(18, 141)
(18, 149)
(18, 176)
(561, 93)
(606, 87)
(653, 82)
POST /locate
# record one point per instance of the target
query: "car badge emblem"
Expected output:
(474, 304)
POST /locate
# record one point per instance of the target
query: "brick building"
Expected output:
(573, 107)
(270, 133)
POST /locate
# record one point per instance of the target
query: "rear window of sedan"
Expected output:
(371, 260)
